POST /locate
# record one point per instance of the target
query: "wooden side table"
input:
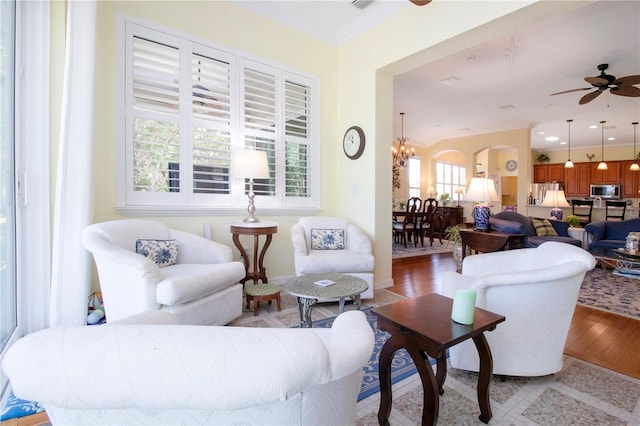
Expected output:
(424, 325)
(256, 229)
(487, 242)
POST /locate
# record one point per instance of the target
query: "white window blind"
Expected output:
(189, 104)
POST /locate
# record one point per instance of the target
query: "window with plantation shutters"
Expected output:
(188, 104)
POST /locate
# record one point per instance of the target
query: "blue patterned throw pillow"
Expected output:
(162, 252)
(327, 239)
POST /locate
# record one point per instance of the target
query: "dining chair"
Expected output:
(408, 226)
(615, 212)
(430, 221)
(578, 208)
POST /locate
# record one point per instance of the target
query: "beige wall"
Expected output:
(356, 89)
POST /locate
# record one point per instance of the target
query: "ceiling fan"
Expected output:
(623, 86)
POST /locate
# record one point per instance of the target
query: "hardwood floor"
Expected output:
(602, 338)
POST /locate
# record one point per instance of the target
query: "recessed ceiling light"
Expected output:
(541, 133)
(611, 139)
(593, 127)
(464, 129)
(551, 138)
(472, 58)
(450, 80)
(563, 143)
(506, 107)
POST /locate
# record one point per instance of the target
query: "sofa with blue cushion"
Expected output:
(517, 223)
(609, 234)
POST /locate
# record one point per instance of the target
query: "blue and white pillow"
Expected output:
(162, 252)
(327, 239)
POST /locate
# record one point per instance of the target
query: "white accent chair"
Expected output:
(536, 290)
(125, 373)
(201, 288)
(355, 259)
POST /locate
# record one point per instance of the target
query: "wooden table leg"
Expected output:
(384, 376)
(431, 398)
(484, 377)
(244, 255)
(262, 274)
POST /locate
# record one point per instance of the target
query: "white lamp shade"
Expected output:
(249, 164)
(555, 198)
(482, 190)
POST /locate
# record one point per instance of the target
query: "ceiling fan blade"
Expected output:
(629, 80)
(589, 97)
(630, 91)
(596, 81)
(572, 90)
(420, 2)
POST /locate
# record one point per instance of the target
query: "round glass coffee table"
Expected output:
(307, 292)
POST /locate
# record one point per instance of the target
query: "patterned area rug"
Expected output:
(401, 368)
(581, 393)
(398, 251)
(609, 292)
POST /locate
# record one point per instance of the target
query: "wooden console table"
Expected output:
(486, 242)
(256, 229)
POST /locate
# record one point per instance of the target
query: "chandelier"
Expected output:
(400, 150)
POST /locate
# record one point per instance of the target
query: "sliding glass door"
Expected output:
(8, 299)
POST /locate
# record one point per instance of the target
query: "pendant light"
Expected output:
(569, 163)
(634, 166)
(602, 165)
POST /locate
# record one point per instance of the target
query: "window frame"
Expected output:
(236, 201)
(449, 184)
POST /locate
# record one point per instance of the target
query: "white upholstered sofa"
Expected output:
(202, 287)
(536, 289)
(354, 258)
(118, 374)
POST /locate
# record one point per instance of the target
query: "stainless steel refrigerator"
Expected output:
(539, 190)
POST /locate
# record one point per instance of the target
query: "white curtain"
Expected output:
(71, 267)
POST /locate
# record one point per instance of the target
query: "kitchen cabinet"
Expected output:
(629, 180)
(611, 175)
(577, 180)
(543, 173)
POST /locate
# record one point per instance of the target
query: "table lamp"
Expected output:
(556, 200)
(458, 191)
(481, 190)
(250, 165)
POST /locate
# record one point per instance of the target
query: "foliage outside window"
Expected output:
(414, 177)
(189, 104)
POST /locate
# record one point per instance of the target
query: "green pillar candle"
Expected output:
(464, 304)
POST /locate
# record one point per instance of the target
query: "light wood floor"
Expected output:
(608, 340)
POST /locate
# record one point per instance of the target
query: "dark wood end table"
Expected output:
(256, 229)
(489, 241)
(424, 325)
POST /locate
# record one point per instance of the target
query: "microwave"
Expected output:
(605, 191)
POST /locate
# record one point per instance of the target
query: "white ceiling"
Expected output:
(549, 57)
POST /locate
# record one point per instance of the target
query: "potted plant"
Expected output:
(444, 199)
(542, 158)
(573, 221)
(452, 233)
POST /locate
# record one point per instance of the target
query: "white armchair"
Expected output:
(200, 288)
(536, 290)
(355, 258)
(128, 373)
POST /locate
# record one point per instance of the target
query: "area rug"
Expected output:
(402, 365)
(398, 251)
(609, 292)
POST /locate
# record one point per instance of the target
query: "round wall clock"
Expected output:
(353, 142)
(511, 165)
